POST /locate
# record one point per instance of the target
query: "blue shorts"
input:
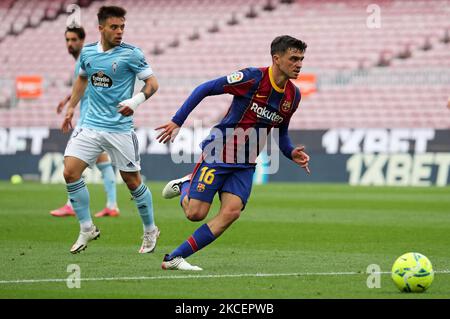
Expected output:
(208, 179)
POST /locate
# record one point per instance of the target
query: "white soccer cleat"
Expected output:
(173, 188)
(178, 263)
(83, 240)
(149, 241)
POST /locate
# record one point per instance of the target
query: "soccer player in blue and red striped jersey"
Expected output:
(264, 101)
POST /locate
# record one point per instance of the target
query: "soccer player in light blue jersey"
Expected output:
(109, 68)
(74, 42)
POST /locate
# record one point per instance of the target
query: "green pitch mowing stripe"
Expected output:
(287, 236)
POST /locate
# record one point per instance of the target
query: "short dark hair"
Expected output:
(106, 12)
(78, 30)
(284, 42)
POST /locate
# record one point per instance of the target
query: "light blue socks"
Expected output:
(109, 182)
(144, 203)
(79, 198)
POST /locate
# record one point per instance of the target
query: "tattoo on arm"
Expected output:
(150, 87)
(147, 96)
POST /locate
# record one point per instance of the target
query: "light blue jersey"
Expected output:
(111, 78)
(83, 101)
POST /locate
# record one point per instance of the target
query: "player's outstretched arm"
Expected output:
(129, 106)
(169, 132)
(77, 92)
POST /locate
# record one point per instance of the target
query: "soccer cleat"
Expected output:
(83, 239)
(149, 241)
(173, 188)
(64, 211)
(178, 263)
(108, 212)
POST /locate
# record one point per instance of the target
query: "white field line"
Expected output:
(304, 274)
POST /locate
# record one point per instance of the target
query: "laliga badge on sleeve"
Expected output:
(235, 77)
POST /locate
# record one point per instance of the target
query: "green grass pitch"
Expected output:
(309, 241)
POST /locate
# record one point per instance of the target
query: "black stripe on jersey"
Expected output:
(91, 44)
(127, 46)
(297, 98)
(275, 98)
(136, 146)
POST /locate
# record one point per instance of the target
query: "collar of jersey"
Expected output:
(100, 48)
(272, 81)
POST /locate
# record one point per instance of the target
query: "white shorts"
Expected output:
(123, 148)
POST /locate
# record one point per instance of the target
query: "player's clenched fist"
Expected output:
(127, 107)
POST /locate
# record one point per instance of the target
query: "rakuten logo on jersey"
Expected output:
(263, 112)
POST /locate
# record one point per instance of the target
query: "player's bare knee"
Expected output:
(231, 214)
(133, 181)
(195, 211)
(195, 215)
(70, 175)
(132, 185)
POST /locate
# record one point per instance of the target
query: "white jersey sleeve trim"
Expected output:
(144, 75)
(82, 72)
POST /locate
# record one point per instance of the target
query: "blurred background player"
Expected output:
(74, 42)
(264, 98)
(110, 68)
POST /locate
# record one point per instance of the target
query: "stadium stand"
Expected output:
(187, 42)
